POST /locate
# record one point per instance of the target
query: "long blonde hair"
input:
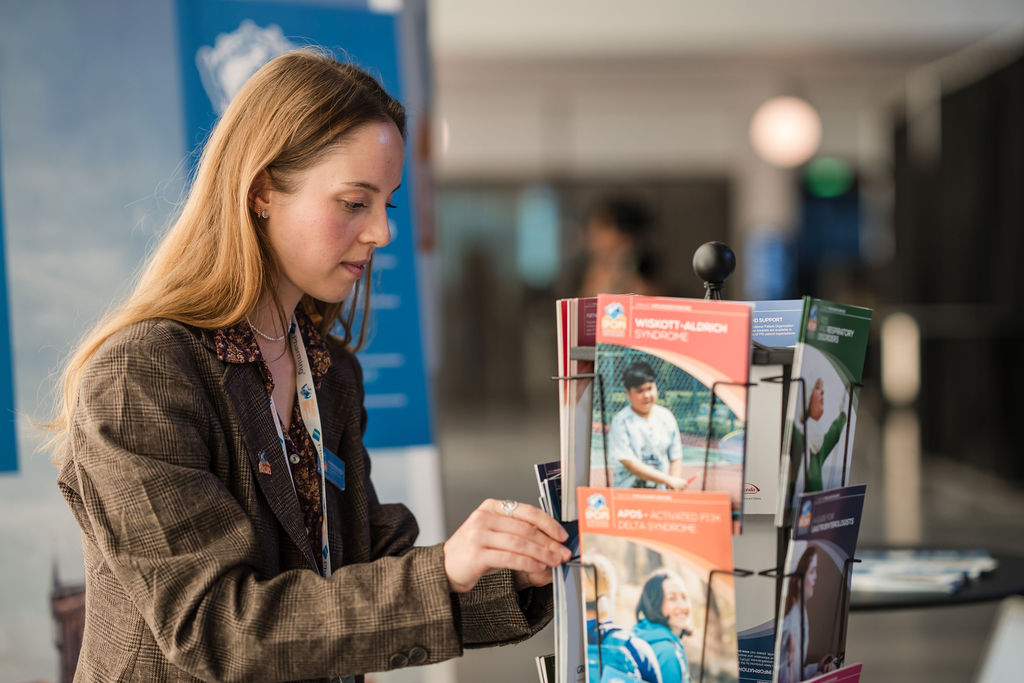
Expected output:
(215, 262)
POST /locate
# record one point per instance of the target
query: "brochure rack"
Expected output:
(714, 262)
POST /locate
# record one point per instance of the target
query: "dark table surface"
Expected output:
(1005, 580)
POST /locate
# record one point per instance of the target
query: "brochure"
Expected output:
(659, 601)
(756, 549)
(828, 365)
(776, 323)
(815, 599)
(577, 321)
(848, 674)
(919, 570)
(569, 646)
(545, 668)
(972, 562)
(670, 408)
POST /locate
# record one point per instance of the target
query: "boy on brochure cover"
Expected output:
(644, 446)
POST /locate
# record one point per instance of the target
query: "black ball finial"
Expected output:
(714, 262)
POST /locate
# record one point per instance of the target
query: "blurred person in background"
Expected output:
(615, 257)
(210, 428)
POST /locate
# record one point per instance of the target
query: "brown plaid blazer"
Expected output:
(197, 565)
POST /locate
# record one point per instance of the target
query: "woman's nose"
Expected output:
(378, 231)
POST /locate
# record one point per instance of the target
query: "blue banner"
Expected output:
(222, 43)
(8, 436)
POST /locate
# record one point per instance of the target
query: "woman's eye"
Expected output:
(390, 205)
(354, 206)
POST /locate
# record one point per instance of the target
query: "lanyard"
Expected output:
(306, 396)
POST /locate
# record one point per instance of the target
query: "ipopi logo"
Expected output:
(812, 319)
(804, 520)
(613, 319)
(306, 391)
(597, 508)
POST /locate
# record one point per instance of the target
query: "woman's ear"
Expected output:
(259, 192)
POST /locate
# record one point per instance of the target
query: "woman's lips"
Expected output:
(356, 268)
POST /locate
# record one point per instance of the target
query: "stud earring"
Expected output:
(263, 214)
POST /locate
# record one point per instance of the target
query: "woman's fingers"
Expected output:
(549, 553)
(514, 527)
(527, 540)
(531, 515)
(516, 537)
(496, 558)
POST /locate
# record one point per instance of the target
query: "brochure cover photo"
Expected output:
(821, 418)
(814, 601)
(655, 423)
(649, 558)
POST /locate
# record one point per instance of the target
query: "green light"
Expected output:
(828, 177)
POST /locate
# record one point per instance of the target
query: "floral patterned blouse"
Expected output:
(237, 344)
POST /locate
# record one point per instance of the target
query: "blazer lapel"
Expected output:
(244, 389)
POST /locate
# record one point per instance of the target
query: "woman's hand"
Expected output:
(527, 541)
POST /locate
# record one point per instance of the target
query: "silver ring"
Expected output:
(509, 506)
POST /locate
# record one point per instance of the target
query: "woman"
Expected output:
(795, 624)
(615, 258)
(211, 427)
(794, 621)
(663, 617)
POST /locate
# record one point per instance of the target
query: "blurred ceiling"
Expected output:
(585, 30)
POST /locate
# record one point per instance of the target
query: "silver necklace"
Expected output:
(264, 334)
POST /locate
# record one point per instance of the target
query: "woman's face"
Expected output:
(811, 577)
(675, 605)
(324, 233)
(604, 240)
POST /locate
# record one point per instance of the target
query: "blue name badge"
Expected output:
(335, 469)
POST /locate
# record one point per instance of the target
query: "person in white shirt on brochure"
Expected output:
(644, 446)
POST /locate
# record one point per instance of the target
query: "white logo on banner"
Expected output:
(236, 56)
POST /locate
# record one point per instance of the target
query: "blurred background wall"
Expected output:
(909, 201)
(541, 109)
